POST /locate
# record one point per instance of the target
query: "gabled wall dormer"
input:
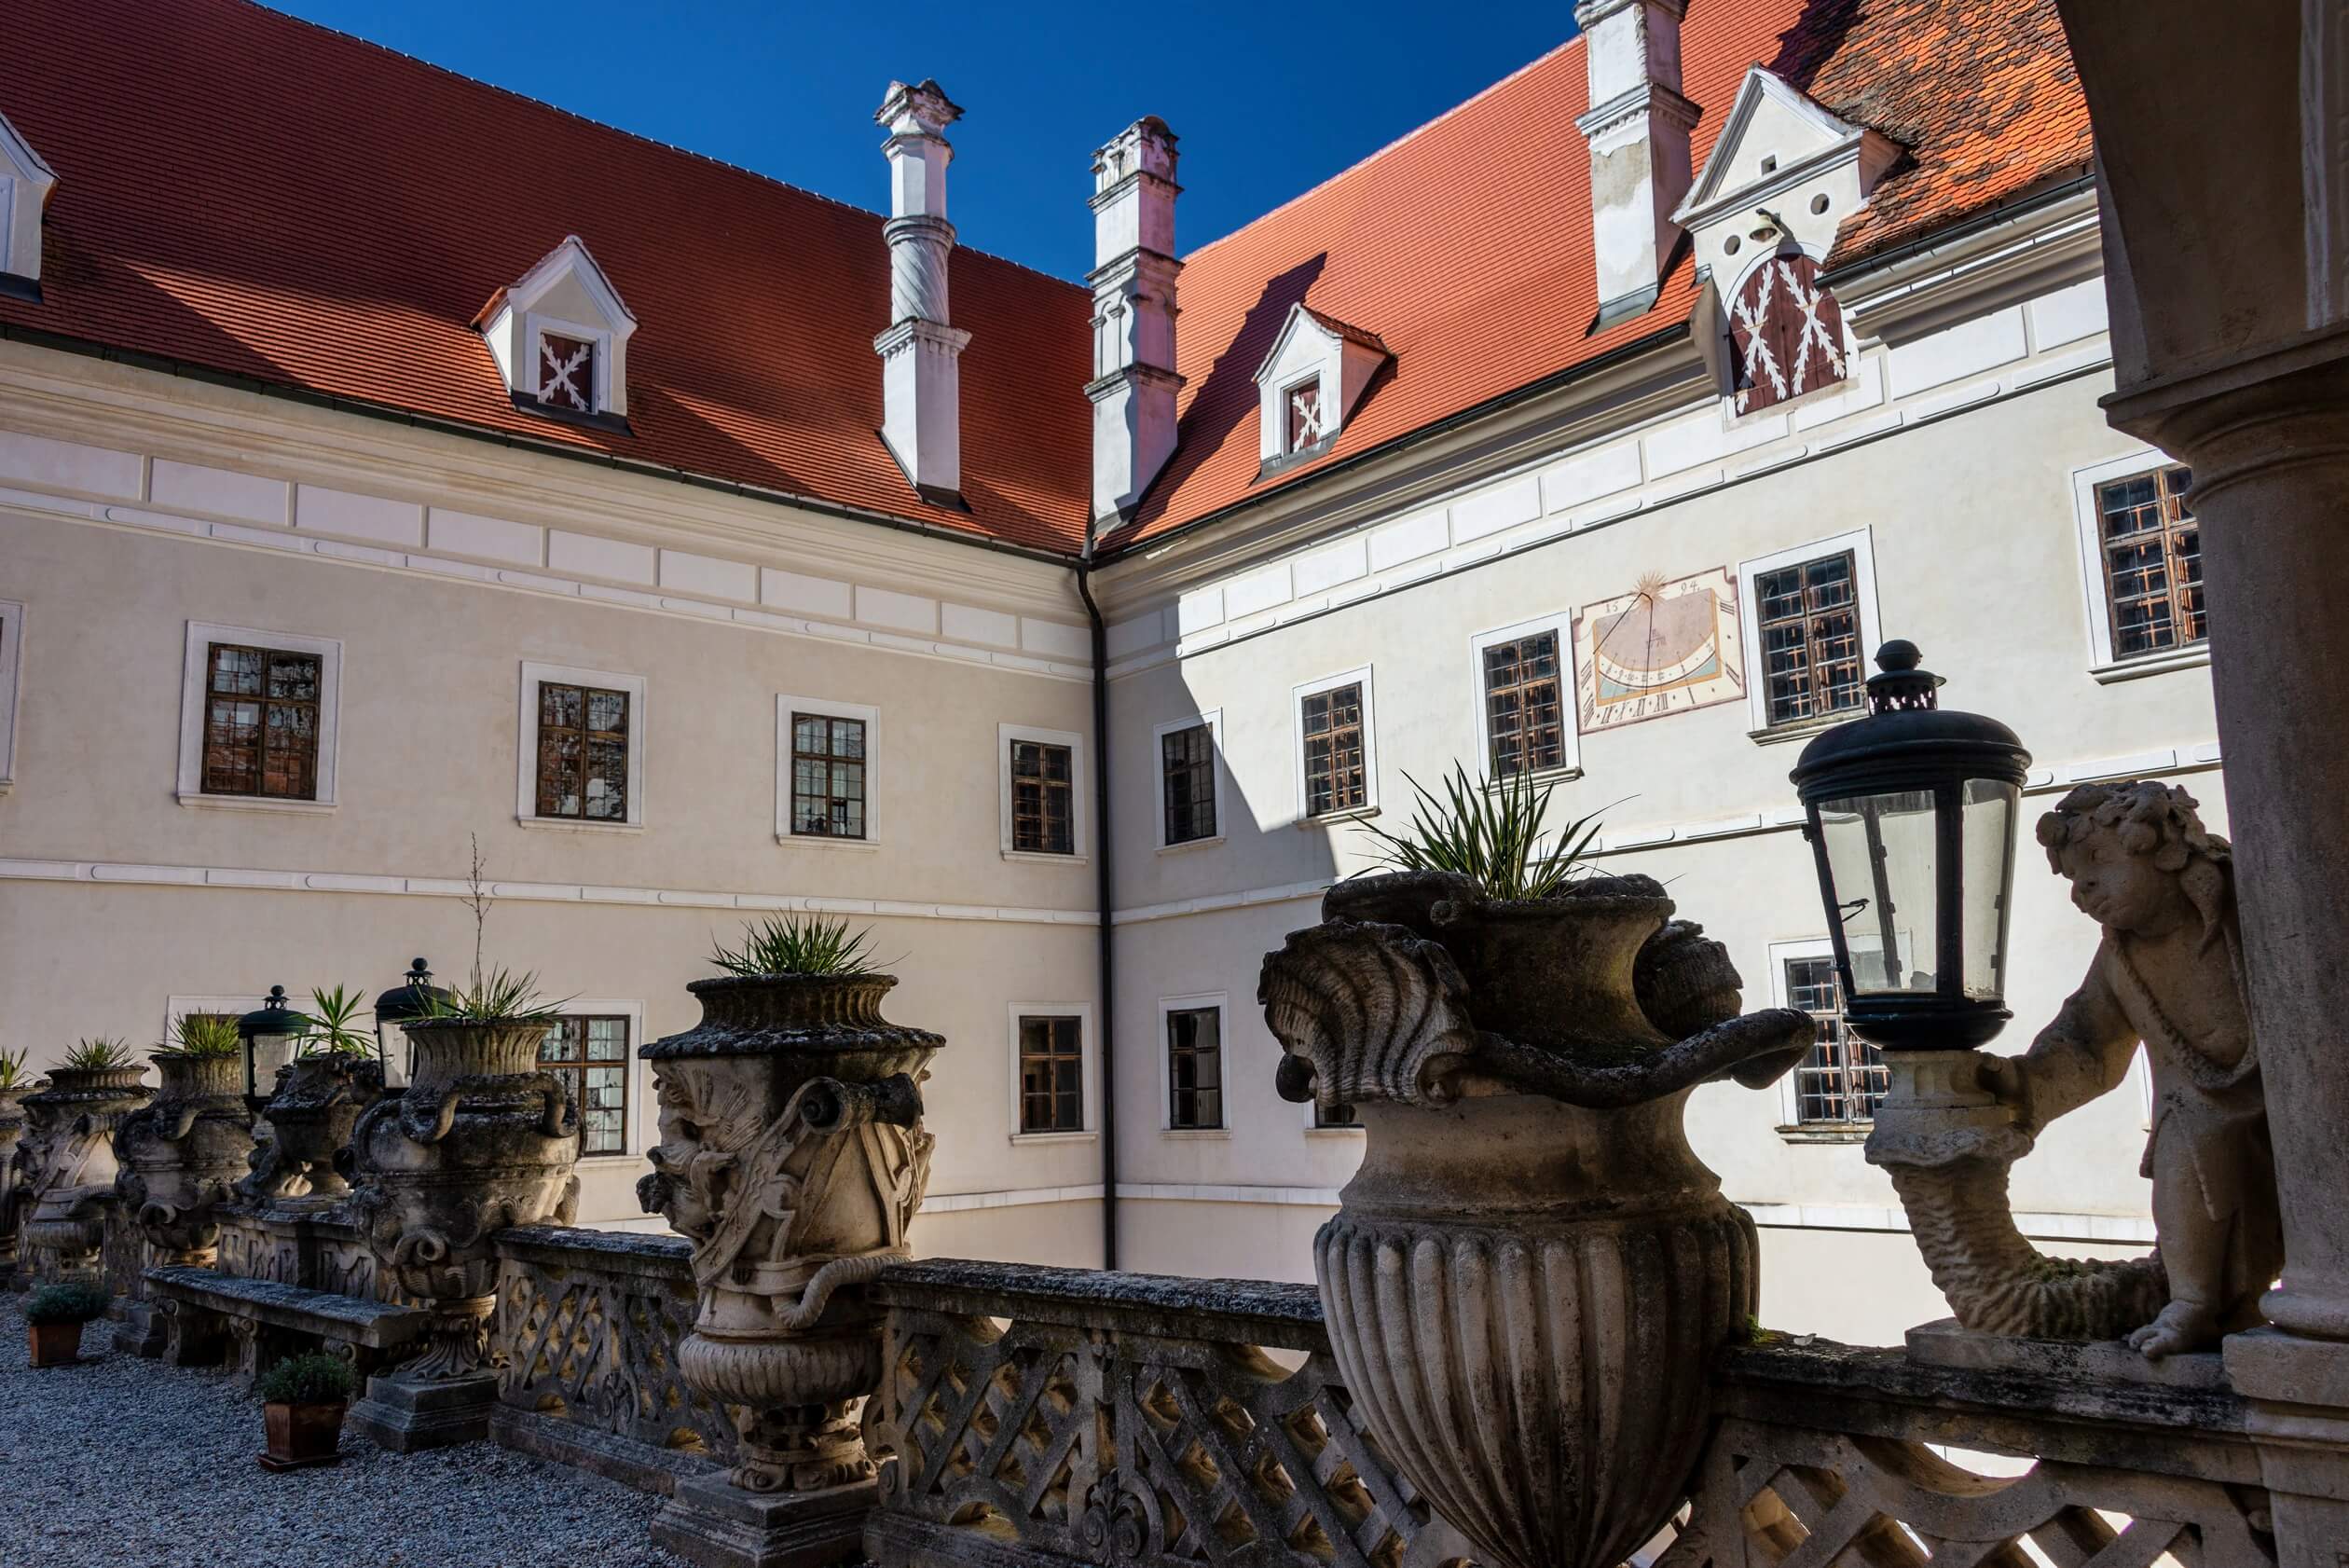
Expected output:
(1308, 385)
(25, 184)
(1762, 218)
(560, 336)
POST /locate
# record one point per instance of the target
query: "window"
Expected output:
(582, 752)
(567, 372)
(582, 749)
(575, 364)
(257, 715)
(1333, 1117)
(1194, 1064)
(12, 642)
(1302, 409)
(2151, 556)
(1189, 791)
(1524, 716)
(1843, 1078)
(589, 1052)
(1335, 763)
(1051, 1074)
(828, 776)
(1043, 792)
(1810, 640)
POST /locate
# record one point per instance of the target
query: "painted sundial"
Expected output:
(1666, 646)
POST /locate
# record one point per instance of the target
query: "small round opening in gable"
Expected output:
(1818, 202)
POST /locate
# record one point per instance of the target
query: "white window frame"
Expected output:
(1369, 806)
(194, 678)
(820, 707)
(2102, 663)
(1221, 1002)
(1212, 720)
(534, 675)
(1087, 1050)
(1559, 624)
(1309, 1108)
(1789, 1084)
(1860, 542)
(1080, 807)
(633, 1133)
(11, 660)
(600, 393)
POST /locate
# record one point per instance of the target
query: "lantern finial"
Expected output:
(1902, 683)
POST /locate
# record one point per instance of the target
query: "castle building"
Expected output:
(701, 548)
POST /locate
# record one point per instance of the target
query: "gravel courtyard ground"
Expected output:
(120, 1463)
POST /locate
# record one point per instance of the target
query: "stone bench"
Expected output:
(203, 1309)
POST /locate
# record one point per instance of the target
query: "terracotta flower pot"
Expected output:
(55, 1344)
(302, 1436)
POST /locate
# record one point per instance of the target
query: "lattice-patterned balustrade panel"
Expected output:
(1124, 1418)
(588, 1323)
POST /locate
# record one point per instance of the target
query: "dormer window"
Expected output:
(25, 184)
(560, 338)
(1311, 382)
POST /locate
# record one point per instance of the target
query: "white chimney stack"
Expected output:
(1133, 385)
(921, 382)
(1638, 128)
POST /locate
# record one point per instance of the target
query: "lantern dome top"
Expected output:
(272, 1017)
(1907, 739)
(407, 999)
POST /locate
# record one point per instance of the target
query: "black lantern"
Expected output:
(414, 997)
(269, 1032)
(1912, 818)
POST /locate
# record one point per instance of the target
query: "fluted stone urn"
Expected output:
(12, 1127)
(1526, 1279)
(792, 1155)
(180, 1155)
(72, 1164)
(481, 1139)
(310, 1120)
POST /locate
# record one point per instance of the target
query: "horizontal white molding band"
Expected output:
(536, 580)
(2041, 781)
(2117, 1230)
(1013, 1198)
(111, 871)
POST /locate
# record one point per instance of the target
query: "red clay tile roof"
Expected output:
(1468, 242)
(1346, 330)
(248, 193)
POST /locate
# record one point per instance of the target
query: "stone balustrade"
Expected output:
(1032, 1415)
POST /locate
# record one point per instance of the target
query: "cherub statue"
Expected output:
(2169, 972)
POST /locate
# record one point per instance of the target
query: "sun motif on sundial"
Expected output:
(1665, 647)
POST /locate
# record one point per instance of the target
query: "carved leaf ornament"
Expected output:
(1788, 333)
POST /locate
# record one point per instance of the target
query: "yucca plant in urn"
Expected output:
(792, 1154)
(1527, 1275)
(315, 1100)
(481, 1138)
(72, 1162)
(16, 1082)
(181, 1154)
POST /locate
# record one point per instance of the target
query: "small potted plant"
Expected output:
(54, 1316)
(303, 1400)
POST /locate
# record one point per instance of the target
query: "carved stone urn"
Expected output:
(1528, 1276)
(73, 1165)
(792, 1155)
(310, 1117)
(12, 1125)
(480, 1139)
(179, 1155)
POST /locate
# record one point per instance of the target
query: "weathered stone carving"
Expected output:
(72, 1165)
(2168, 973)
(792, 1155)
(1527, 1275)
(179, 1154)
(481, 1139)
(310, 1117)
(14, 1191)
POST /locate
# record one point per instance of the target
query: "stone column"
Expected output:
(2268, 440)
(180, 1155)
(12, 1123)
(73, 1166)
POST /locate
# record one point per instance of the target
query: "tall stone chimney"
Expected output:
(1133, 384)
(1638, 128)
(921, 380)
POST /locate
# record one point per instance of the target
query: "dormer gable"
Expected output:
(1311, 381)
(25, 184)
(1780, 150)
(560, 336)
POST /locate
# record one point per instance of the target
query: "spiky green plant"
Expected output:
(332, 1030)
(1493, 831)
(797, 944)
(204, 1037)
(95, 1055)
(498, 996)
(12, 1073)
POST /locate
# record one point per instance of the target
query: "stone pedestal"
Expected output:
(710, 1521)
(408, 1414)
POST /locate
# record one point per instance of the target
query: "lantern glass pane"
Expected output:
(1989, 817)
(1881, 851)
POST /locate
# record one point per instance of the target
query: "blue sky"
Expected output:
(1268, 100)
